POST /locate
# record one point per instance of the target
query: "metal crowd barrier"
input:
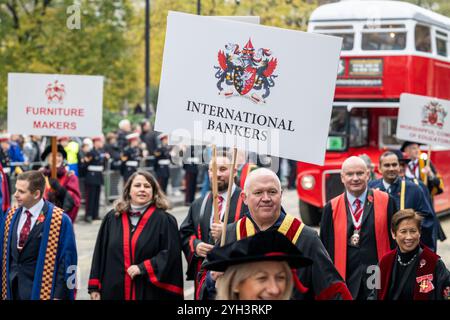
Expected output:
(113, 181)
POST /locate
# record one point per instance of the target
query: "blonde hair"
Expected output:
(227, 284)
(159, 198)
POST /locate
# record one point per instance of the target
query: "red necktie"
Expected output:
(135, 214)
(25, 230)
(219, 204)
(358, 210)
(414, 167)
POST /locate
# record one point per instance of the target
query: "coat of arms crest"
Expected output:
(245, 72)
(55, 92)
(433, 114)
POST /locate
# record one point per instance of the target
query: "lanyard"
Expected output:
(356, 224)
(402, 195)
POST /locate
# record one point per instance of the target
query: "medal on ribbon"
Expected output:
(357, 221)
(354, 239)
(425, 283)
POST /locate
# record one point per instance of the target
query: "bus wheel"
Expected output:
(310, 215)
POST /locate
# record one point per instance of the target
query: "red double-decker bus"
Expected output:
(389, 48)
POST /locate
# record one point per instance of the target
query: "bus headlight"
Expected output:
(308, 182)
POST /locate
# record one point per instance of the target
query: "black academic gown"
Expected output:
(358, 259)
(414, 199)
(402, 280)
(320, 280)
(196, 228)
(154, 246)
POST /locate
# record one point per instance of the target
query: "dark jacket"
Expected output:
(414, 199)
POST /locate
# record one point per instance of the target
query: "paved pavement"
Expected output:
(86, 235)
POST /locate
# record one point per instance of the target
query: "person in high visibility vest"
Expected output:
(72, 149)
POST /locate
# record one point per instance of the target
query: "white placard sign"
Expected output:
(424, 120)
(248, 19)
(55, 105)
(257, 88)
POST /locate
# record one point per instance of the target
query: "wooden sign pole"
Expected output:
(428, 165)
(214, 184)
(230, 188)
(54, 151)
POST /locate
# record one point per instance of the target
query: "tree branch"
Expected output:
(13, 11)
(24, 7)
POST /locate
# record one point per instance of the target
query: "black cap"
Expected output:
(48, 150)
(408, 143)
(400, 156)
(263, 246)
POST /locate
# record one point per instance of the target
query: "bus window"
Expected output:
(387, 132)
(338, 123)
(359, 130)
(347, 40)
(339, 31)
(337, 136)
(423, 38)
(383, 41)
(441, 43)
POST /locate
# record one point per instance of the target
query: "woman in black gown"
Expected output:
(138, 250)
(412, 271)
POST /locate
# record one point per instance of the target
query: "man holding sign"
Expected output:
(421, 169)
(199, 231)
(424, 120)
(262, 194)
(251, 87)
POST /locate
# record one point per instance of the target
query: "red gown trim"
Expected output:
(128, 252)
(339, 208)
(157, 283)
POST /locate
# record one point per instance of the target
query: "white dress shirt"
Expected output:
(224, 204)
(409, 171)
(35, 211)
(351, 199)
(386, 186)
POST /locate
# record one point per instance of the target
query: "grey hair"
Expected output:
(123, 123)
(259, 172)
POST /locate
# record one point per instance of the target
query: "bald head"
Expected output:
(355, 175)
(352, 162)
(257, 173)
